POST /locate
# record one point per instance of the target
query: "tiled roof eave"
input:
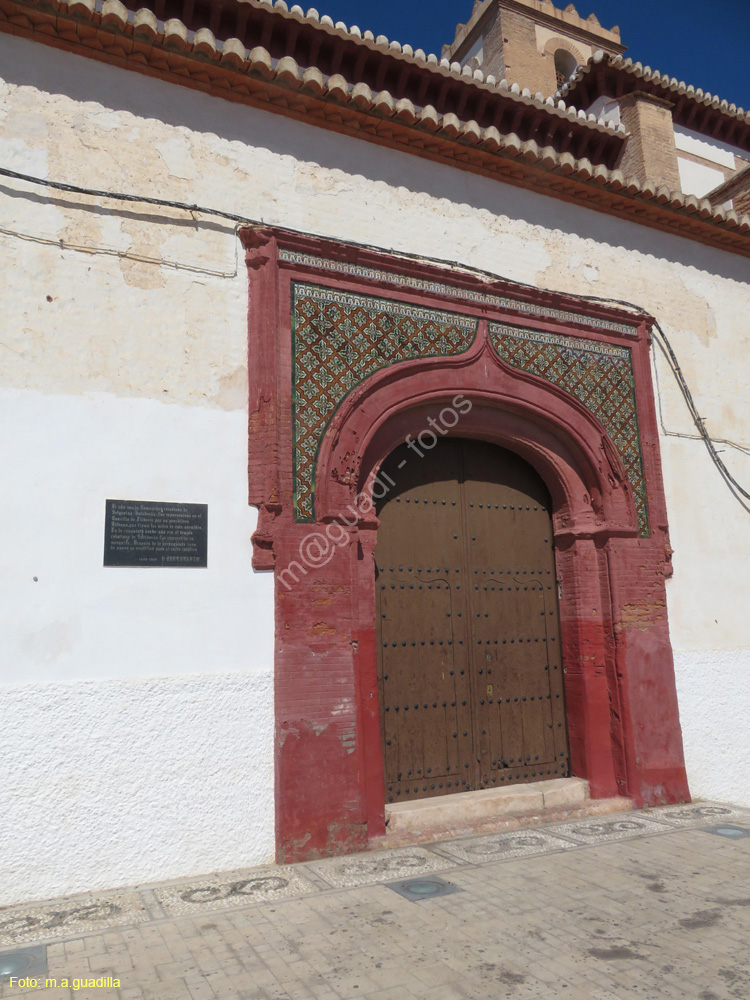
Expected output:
(739, 184)
(606, 75)
(315, 41)
(305, 94)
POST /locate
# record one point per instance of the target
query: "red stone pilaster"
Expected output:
(586, 655)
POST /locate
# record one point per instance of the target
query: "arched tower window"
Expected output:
(565, 66)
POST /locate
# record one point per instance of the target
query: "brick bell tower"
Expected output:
(529, 42)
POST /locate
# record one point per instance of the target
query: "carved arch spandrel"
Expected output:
(547, 426)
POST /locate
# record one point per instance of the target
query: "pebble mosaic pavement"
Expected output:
(639, 905)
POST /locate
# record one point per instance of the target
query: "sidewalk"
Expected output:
(643, 905)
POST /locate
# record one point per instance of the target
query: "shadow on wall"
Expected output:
(142, 96)
(60, 200)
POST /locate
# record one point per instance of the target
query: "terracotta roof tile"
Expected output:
(285, 71)
(613, 76)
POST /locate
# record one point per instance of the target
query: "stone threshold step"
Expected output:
(492, 810)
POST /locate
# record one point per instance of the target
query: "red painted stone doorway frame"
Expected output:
(622, 713)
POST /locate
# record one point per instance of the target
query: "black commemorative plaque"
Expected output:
(144, 533)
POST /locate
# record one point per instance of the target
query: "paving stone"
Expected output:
(69, 917)
(600, 831)
(254, 886)
(644, 906)
(382, 866)
(505, 845)
(699, 813)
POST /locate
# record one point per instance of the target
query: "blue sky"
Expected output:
(703, 42)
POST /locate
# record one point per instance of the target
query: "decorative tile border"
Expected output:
(385, 866)
(260, 885)
(498, 847)
(699, 814)
(438, 288)
(340, 338)
(70, 917)
(598, 375)
(571, 344)
(602, 831)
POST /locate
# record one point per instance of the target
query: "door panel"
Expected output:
(425, 707)
(469, 668)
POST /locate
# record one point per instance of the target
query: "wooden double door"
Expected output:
(470, 674)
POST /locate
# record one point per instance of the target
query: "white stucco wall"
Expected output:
(714, 150)
(606, 108)
(698, 178)
(712, 691)
(709, 162)
(70, 618)
(138, 703)
(124, 374)
(111, 781)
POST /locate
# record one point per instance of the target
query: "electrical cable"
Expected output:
(739, 493)
(745, 449)
(133, 198)
(122, 254)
